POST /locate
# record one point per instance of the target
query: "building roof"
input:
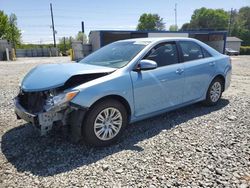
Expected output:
(233, 39)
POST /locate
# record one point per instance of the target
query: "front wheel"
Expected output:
(104, 123)
(214, 92)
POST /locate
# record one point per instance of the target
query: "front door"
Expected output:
(161, 88)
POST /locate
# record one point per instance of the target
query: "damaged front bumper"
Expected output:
(67, 114)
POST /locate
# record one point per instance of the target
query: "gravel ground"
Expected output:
(195, 146)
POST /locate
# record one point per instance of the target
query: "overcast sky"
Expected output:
(34, 15)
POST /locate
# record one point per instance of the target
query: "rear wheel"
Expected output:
(104, 123)
(214, 92)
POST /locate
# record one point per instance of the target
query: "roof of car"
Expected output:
(155, 39)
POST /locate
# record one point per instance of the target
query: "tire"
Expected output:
(104, 123)
(214, 92)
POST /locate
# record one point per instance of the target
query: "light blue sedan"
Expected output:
(121, 83)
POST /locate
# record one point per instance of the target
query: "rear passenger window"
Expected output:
(163, 54)
(191, 51)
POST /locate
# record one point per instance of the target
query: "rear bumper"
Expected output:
(228, 78)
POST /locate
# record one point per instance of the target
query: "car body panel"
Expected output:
(163, 86)
(105, 86)
(44, 77)
(197, 74)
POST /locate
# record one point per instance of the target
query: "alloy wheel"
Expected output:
(108, 123)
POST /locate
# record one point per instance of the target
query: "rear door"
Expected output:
(199, 68)
(158, 89)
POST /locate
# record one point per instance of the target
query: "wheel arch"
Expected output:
(222, 78)
(119, 98)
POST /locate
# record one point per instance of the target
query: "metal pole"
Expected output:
(64, 45)
(82, 26)
(53, 27)
(175, 10)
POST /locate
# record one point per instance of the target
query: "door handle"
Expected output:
(164, 80)
(179, 71)
(212, 63)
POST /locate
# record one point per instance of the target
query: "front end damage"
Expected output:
(46, 92)
(44, 109)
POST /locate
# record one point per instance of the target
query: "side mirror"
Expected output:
(146, 64)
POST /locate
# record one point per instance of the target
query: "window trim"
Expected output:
(163, 43)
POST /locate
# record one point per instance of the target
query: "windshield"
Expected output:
(115, 55)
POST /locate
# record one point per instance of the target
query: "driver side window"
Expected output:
(163, 54)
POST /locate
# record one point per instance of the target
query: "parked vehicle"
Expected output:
(121, 83)
(230, 51)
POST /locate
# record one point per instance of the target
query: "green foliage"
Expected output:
(218, 19)
(185, 27)
(9, 29)
(4, 24)
(13, 34)
(241, 25)
(204, 18)
(81, 37)
(245, 50)
(64, 44)
(150, 22)
(173, 28)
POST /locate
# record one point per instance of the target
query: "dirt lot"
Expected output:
(194, 146)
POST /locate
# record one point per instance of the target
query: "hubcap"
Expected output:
(215, 92)
(108, 123)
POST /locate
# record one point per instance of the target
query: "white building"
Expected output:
(234, 43)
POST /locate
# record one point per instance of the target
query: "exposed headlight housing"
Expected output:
(60, 100)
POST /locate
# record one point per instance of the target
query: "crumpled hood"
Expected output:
(48, 76)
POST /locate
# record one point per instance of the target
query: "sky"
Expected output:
(34, 20)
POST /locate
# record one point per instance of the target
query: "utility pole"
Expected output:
(230, 22)
(82, 26)
(175, 11)
(64, 45)
(53, 27)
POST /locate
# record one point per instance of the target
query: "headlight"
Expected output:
(64, 97)
(60, 99)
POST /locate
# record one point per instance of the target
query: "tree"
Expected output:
(185, 26)
(173, 28)
(241, 25)
(81, 37)
(9, 29)
(13, 34)
(64, 44)
(150, 22)
(204, 18)
(4, 24)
